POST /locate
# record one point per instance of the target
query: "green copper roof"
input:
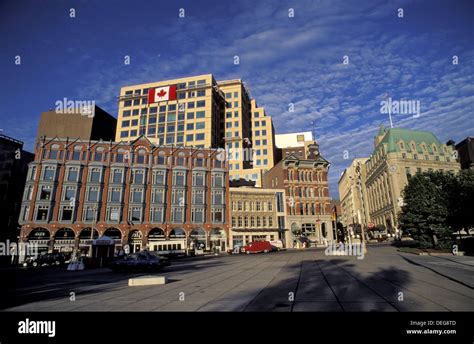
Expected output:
(381, 130)
(393, 137)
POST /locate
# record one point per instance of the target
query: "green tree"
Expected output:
(427, 204)
(461, 215)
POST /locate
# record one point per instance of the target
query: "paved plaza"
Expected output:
(293, 280)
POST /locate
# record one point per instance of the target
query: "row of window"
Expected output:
(228, 95)
(306, 209)
(426, 157)
(140, 157)
(252, 205)
(251, 221)
(308, 192)
(138, 176)
(170, 128)
(116, 194)
(172, 107)
(43, 213)
(162, 117)
(305, 176)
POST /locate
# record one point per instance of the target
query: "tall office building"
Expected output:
(237, 131)
(186, 111)
(198, 111)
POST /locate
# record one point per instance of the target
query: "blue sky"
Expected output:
(283, 60)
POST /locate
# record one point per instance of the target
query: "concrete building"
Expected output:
(185, 111)
(198, 111)
(465, 150)
(138, 193)
(353, 194)
(94, 124)
(258, 215)
(263, 150)
(399, 154)
(307, 195)
(13, 167)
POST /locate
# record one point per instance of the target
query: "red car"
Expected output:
(257, 247)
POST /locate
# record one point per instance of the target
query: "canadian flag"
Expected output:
(161, 93)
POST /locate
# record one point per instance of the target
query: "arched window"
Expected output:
(141, 157)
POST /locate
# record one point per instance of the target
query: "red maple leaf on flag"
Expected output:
(161, 93)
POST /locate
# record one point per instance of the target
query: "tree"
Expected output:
(461, 215)
(427, 201)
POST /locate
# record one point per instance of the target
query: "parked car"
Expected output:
(47, 259)
(140, 261)
(258, 247)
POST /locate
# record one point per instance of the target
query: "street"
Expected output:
(294, 280)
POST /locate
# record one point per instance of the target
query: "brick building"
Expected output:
(137, 193)
(307, 195)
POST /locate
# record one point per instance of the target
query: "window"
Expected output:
(124, 134)
(200, 103)
(201, 93)
(69, 193)
(228, 95)
(138, 176)
(46, 193)
(158, 196)
(178, 179)
(137, 195)
(66, 213)
(198, 197)
(217, 180)
(217, 198)
(93, 194)
(115, 195)
(197, 215)
(114, 214)
(200, 125)
(190, 115)
(157, 215)
(159, 178)
(136, 214)
(228, 115)
(199, 137)
(89, 214)
(190, 126)
(73, 174)
(125, 123)
(217, 215)
(201, 114)
(177, 215)
(198, 179)
(191, 105)
(42, 213)
(236, 104)
(189, 137)
(49, 173)
(126, 113)
(127, 103)
(94, 175)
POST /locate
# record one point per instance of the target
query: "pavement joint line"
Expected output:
(329, 285)
(297, 284)
(437, 272)
(244, 307)
(367, 286)
(204, 278)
